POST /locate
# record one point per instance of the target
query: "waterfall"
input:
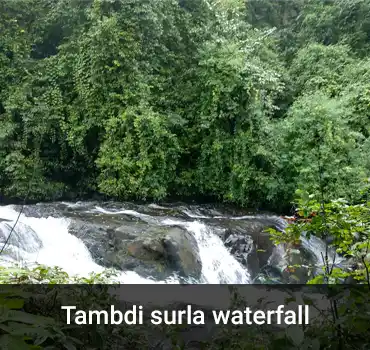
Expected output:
(218, 265)
(47, 241)
(58, 247)
(50, 241)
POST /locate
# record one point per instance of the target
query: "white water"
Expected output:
(318, 247)
(218, 265)
(60, 248)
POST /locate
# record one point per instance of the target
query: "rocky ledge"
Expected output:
(149, 250)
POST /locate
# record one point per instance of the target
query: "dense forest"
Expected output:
(148, 100)
(257, 103)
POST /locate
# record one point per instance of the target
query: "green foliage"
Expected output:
(22, 327)
(319, 149)
(143, 100)
(320, 67)
(139, 156)
(137, 99)
(304, 22)
(19, 329)
(333, 22)
(347, 226)
(50, 275)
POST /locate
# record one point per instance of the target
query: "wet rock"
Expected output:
(94, 236)
(250, 244)
(130, 231)
(148, 248)
(182, 252)
(22, 237)
(115, 247)
(42, 210)
(301, 266)
(296, 264)
(140, 247)
(243, 248)
(172, 248)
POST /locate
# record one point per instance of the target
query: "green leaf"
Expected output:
(24, 317)
(69, 345)
(20, 329)
(289, 300)
(9, 342)
(315, 344)
(296, 335)
(12, 303)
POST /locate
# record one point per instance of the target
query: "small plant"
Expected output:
(22, 327)
(51, 275)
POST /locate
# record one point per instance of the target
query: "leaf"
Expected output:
(20, 329)
(279, 343)
(315, 344)
(13, 303)
(289, 300)
(69, 345)
(75, 340)
(308, 301)
(9, 342)
(10, 291)
(24, 317)
(40, 339)
(296, 335)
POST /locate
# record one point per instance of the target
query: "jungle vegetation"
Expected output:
(257, 103)
(242, 102)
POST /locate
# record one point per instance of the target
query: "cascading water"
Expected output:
(48, 242)
(228, 246)
(318, 247)
(57, 248)
(218, 265)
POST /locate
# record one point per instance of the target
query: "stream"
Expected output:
(169, 243)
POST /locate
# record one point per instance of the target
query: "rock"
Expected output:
(132, 230)
(146, 249)
(23, 237)
(173, 248)
(182, 252)
(94, 236)
(123, 247)
(249, 244)
(244, 250)
(41, 210)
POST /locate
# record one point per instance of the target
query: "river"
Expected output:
(173, 243)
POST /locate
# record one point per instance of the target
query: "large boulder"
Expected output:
(182, 252)
(119, 247)
(149, 250)
(172, 247)
(147, 247)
